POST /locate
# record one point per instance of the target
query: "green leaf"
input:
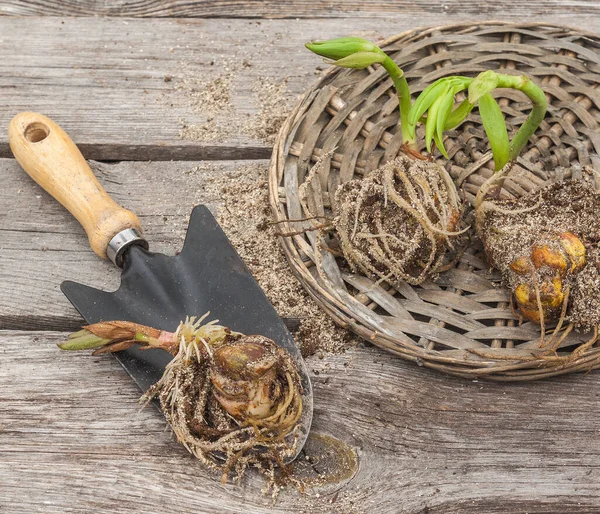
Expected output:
(425, 102)
(458, 115)
(433, 92)
(446, 104)
(425, 99)
(431, 124)
(483, 84)
(440, 144)
(342, 47)
(83, 340)
(359, 60)
(495, 128)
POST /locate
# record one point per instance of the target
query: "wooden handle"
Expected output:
(50, 157)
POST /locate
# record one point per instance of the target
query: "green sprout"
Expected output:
(435, 105)
(358, 53)
(437, 101)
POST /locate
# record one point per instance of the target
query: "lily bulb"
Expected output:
(244, 377)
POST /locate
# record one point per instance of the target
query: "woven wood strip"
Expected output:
(463, 322)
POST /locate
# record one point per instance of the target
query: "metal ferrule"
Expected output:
(123, 240)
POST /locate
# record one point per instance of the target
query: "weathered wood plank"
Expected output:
(293, 9)
(41, 244)
(72, 437)
(127, 89)
(130, 87)
(141, 89)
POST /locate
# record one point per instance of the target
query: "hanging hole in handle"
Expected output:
(36, 132)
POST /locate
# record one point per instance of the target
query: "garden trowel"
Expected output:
(156, 290)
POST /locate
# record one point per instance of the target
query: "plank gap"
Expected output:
(125, 152)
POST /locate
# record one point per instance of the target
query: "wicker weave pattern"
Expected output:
(349, 120)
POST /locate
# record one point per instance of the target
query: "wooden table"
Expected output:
(72, 436)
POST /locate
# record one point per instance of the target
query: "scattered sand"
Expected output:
(245, 218)
(209, 93)
(208, 132)
(210, 96)
(274, 108)
(245, 215)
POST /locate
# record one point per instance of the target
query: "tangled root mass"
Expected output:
(400, 222)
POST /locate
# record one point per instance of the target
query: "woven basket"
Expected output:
(462, 323)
